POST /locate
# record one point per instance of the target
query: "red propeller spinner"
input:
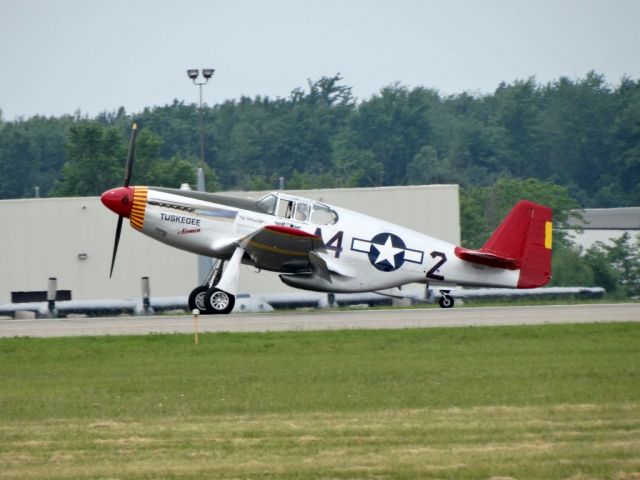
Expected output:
(119, 200)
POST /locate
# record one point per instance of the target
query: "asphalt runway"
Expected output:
(324, 320)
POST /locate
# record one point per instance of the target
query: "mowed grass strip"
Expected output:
(570, 441)
(557, 401)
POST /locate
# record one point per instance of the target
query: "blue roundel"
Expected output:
(387, 252)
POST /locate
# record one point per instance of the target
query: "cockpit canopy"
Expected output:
(297, 209)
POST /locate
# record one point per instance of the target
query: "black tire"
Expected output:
(446, 301)
(198, 299)
(219, 301)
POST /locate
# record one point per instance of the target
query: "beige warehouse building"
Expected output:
(72, 239)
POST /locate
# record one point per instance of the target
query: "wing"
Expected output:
(282, 249)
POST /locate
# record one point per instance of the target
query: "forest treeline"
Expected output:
(569, 143)
(582, 134)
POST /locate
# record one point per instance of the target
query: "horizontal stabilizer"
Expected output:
(486, 258)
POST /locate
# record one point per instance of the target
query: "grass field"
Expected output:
(557, 401)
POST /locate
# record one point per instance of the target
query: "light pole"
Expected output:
(204, 263)
(207, 73)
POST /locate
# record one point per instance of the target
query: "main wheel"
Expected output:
(198, 299)
(446, 301)
(219, 301)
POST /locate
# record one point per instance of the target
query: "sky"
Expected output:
(61, 56)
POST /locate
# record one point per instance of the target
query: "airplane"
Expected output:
(320, 247)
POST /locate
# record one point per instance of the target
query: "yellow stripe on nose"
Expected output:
(548, 235)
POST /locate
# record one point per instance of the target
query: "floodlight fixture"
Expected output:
(193, 74)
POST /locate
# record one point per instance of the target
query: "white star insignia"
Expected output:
(387, 252)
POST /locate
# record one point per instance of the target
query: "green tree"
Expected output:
(171, 173)
(516, 112)
(576, 125)
(427, 167)
(483, 208)
(151, 169)
(582, 134)
(96, 160)
(393, 126)
(474, 226)
(32, 153)
(623, 255)
(622, 187)
(569, 268)
(615, 266)
(605, 274)
(354, 167)
(308, 180)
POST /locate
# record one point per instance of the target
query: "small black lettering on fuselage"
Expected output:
(180, 219)
(250, 219)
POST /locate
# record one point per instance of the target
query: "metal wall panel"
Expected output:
(72, 239)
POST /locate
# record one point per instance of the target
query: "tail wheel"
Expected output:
(219, 301)
(198, 299)
(446, 301)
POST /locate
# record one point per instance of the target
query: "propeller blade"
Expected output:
(127, 177)
(115, 244)
(132, 146)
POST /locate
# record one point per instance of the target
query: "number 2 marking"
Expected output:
(432, 273)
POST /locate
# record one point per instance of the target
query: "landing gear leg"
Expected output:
(197, 296)
(221, 297)
(446, 299)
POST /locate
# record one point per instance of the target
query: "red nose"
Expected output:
(119, 200)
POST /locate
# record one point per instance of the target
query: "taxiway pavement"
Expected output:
(324, 320)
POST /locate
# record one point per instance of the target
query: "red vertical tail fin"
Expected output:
(525, 234)
(522, 241)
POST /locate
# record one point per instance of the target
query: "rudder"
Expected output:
(525, 235)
